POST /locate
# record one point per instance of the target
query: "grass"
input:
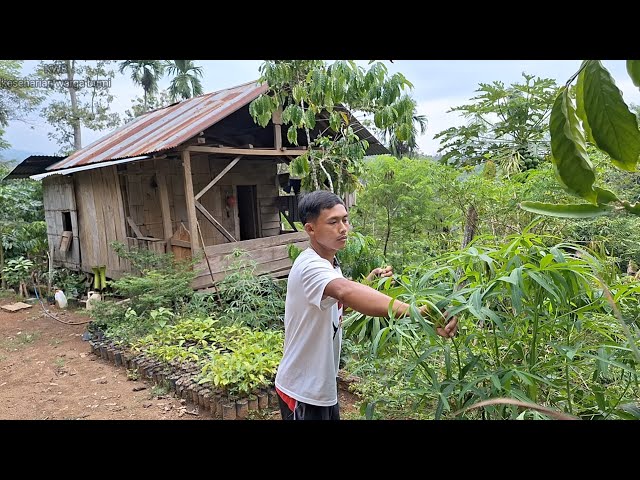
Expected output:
(59, 362)
(7, 294)
(21, 340)
(265, 414)
(160, 390)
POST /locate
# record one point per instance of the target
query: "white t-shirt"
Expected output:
(313, 333)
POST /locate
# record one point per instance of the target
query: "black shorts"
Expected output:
(305, 411)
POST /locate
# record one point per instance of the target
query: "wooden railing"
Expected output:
(270, 254)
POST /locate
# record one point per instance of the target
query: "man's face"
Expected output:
(330, 228)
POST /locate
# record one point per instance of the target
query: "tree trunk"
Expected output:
(4, 281)
(470, 225)
(77, 131)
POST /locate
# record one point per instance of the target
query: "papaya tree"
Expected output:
(307, 89)
(506, 124)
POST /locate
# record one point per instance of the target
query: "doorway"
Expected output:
(248, 211)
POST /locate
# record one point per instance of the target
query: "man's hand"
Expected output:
(450, 329)
(447, 331)
(380, 272)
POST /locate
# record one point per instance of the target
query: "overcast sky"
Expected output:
(438, 86)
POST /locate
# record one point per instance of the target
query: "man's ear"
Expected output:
(308, 227)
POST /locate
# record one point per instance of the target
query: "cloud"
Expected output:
(438, 120)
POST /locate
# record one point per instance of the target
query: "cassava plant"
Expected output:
(535, 325)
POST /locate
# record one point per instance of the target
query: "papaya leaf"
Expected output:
(568, 149)
(613, 126)
(581, 210)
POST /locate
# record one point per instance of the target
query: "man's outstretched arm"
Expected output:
(371, 302)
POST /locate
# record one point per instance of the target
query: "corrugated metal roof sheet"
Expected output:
(33, 165)
(164, 128)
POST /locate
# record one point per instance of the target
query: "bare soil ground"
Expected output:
(47, 372)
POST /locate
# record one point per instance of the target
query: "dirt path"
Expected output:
(48, 372)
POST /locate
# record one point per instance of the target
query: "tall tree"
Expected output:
(508, 125)
(306, 89)
(84, 86)
(186, 79)
(145, 73)
(17, 95)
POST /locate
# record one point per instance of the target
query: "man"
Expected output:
(316, 295)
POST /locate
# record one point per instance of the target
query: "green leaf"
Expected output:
(542, 281)
(310, 119)
(580, 108)
(580, 210)
(298, 93)
(569, 153)
(614, 127)
(605, 196)
(631, 208)
(633, 67)
(468, 366)
(334, 121)
(546, 260)
(292, 135)
(300, 166)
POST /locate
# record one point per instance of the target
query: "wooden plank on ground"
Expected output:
(14, 307)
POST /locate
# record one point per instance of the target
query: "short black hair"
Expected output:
(312, 203)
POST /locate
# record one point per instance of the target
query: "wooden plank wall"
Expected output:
(144, 200)
(58, 197)
(270, 254)
(101, 220)
(101, 212)
(261, 172)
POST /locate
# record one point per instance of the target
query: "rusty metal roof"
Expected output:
(164, 128)
(169, 127)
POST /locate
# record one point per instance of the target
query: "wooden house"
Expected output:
(198, 176)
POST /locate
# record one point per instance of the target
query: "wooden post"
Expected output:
(276, 117)
(164, 200)
(191, 203)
